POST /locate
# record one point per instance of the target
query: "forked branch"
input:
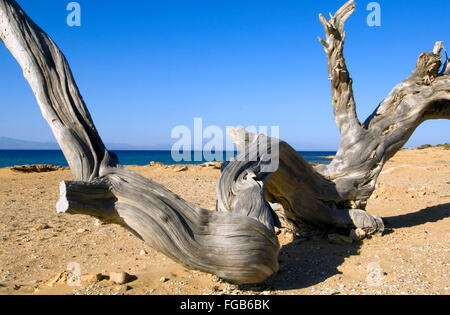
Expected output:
(341, 82)
(238, 244)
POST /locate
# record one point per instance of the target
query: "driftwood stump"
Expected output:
(237, 242)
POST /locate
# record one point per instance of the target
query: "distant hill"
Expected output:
(16, 144)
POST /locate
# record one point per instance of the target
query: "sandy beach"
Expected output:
(413, 257)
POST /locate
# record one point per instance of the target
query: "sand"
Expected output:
(413, 257)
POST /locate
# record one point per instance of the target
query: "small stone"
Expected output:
(57, 280)
(119, 277)
(82, 231)
(98, 223)
(143, 253)
(290, 237)
(358, 234)
(214, 165)
(339, 239)
(215, 279)
(180, 169)
(164, 279)
(215, 288)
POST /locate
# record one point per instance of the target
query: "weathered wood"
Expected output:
(238, 244)
(365, 148)
(336, 194)
(233, 246)
(304, 194)
(49, 75)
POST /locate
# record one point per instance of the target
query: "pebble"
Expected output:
(119, 277)
(358, 234)
(180, 169)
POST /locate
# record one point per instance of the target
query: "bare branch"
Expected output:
(50, 77)
(239, 244)
(341, 83)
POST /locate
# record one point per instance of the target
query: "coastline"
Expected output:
(412, 194)
(10, 158)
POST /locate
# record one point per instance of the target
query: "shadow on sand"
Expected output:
(312, 262)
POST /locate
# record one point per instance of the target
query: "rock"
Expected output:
(99, 223)
(339, 239)
(82, 231)
(156, 164)
(119, 277)
(143, 253)
(91, 279)
(290, 237)
(180, 169)
(164, 279)
(37, 168)
(215, 288)
(214, 165)
(358, 234)
(57, 280)
(216, 279)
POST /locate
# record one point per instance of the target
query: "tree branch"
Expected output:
(341, 82)
(238, 244)
(50, 77)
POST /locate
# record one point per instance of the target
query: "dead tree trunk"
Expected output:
(236, 245)
(337, 194)
(237, 242)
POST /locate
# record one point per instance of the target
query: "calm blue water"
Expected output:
(25, 157)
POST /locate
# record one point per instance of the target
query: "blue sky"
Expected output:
(144, 67)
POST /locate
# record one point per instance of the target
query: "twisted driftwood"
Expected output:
(337, 194)
(237, 242)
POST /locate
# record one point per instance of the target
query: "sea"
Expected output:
(10, 158)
